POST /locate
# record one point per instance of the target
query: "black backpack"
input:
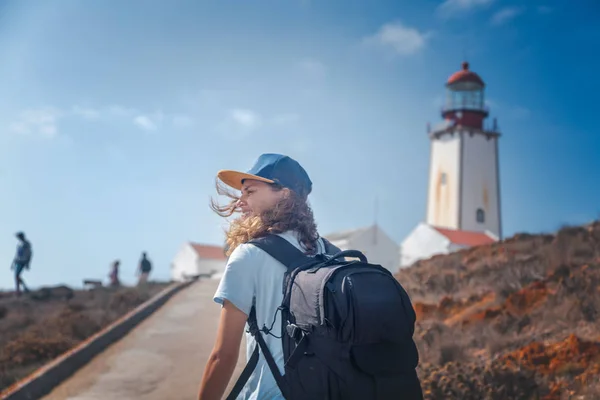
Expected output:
(347, 329)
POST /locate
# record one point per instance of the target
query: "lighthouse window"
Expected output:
(443, 178)
(480, 216)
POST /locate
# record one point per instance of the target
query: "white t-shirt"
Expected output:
(251, 274)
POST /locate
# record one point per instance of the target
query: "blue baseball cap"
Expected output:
(271, 168)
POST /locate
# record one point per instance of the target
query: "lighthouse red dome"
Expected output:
(465, 75)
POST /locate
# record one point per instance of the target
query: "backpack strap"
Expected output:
(281, 250)
(284, 252)
(260, 340)
(245, 375)
(251, 365)
(330, 249)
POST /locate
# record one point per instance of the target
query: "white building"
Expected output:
(195, 259)
(426, 241)
(463, 204)
(373, 242)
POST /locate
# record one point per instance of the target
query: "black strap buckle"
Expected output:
(294, 331)
(252, 322)
(301, 349)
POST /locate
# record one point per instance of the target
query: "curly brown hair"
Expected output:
(293, 213)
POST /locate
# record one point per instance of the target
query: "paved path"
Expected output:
(162, 358)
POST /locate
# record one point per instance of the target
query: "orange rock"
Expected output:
(527, 298)
(571, 354)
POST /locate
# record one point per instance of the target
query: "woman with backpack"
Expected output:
(301, 345)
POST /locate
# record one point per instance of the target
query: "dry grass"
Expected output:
(36, 328)
(531, 298)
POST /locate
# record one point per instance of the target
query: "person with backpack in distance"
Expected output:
(21, 261)
(320, 323)
(144, 268)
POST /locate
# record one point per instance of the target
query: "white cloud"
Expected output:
(402, 39)
(41, 121)
(145, 122)
(491, 103)
(245, 118)
(44, 121)
(239, 123)
(313, 67)
(506, 14)
(454, 8)
(156, 120)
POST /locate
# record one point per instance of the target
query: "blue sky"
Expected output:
(115, 116)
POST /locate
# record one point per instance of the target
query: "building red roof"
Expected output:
(209, 251)
(465, 75)
(465, 238)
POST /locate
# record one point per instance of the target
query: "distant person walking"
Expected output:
(21, 261)
(114, 274)
(144, 269)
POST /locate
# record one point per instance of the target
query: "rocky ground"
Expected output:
(39, 326)
(518, 319)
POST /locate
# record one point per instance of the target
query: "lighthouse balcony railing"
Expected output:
(465, 107)
(491, 127)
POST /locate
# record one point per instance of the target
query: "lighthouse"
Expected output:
(464, 178)
(463, 198)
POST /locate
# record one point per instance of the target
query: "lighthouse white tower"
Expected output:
(464, 178)
(463, 202)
